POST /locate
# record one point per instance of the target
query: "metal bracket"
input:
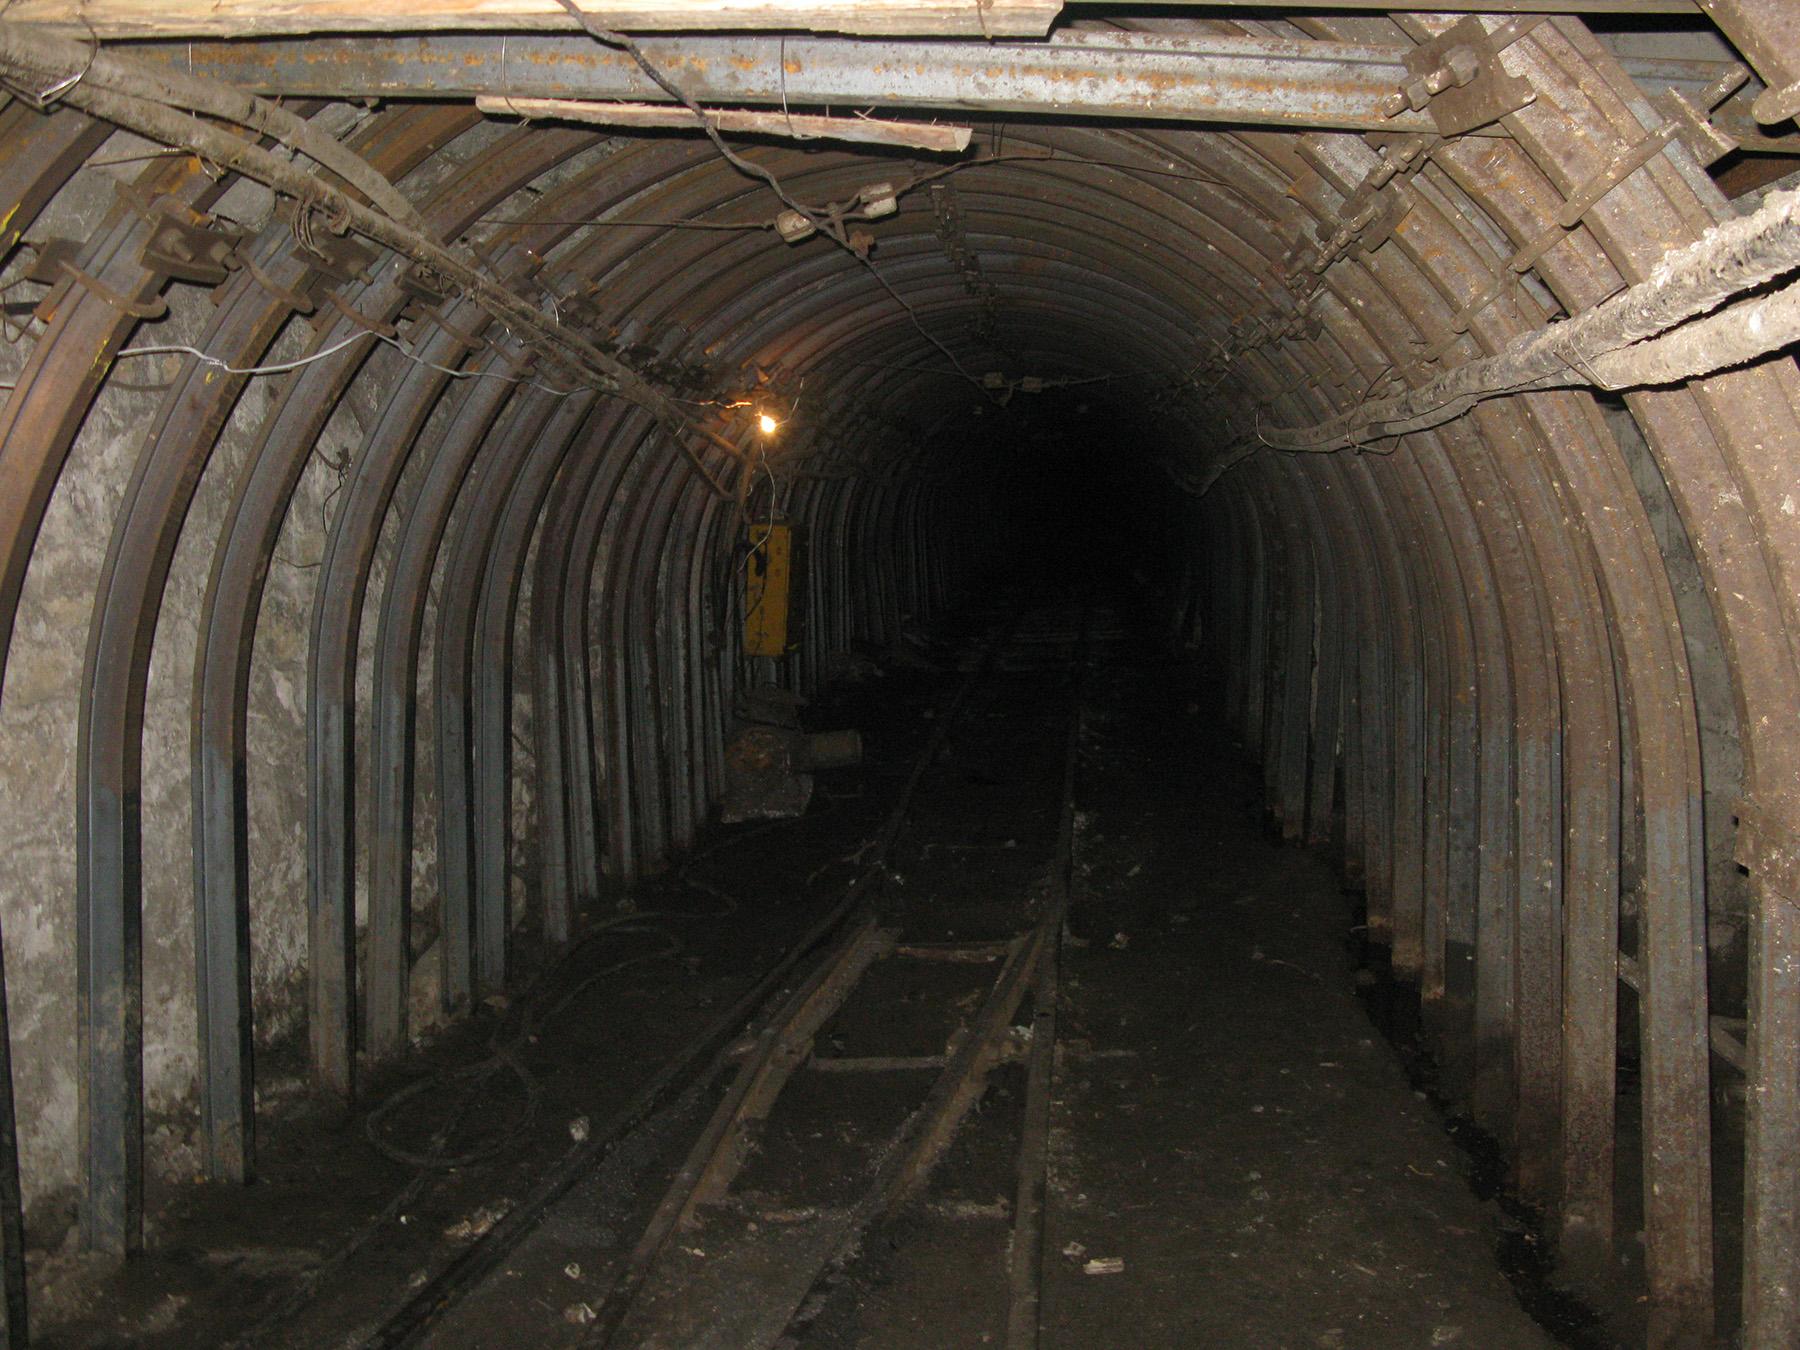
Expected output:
(1573, 211)
(1769, 848)
(1458, 80)
(1693, 121)
(184, 244)
(577, 309)
(188, 245)
(356, 317)
(54, 266)
(1370, 213)
(948, 213)
(1370, 216)
(339, 257)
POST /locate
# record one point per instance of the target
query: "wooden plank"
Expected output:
(261, 18)
(876, 1063)
(799, 126)
(1025, 1274)
(714, 1156)
(969, 953)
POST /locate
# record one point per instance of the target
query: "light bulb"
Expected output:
(766, 424)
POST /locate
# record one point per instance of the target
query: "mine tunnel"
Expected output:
(870, 673)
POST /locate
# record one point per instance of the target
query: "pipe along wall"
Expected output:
(323, 682)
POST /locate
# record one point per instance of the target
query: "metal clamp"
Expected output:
(1372, 210)
(1458, 80)
(424, 285)
(338, 256)
(190, 246)
(55, 267)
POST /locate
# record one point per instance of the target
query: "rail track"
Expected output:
(813, 1049)
(758, 1245)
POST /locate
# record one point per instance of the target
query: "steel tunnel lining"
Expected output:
(1466, 650)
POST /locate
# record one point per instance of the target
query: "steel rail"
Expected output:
(1593, 1163)
(1232, 79)
(425, 517)
(973, 18)
(37, 428)
(331, 703)
(1677, 1197)
(22, 53)
(1669, 1228)
(1447, 913)
(58, 59)
(498, 504)
(713, 1159)
(493, 704)
(1538, 1103)
(128, 598)
(225, 642)
(32, 167)
(421, 506)
(1026, 1255)
(1200, 77)
(1733, 258)
(433, 1300)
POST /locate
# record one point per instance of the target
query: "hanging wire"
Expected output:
(282, 367)
(629, 45)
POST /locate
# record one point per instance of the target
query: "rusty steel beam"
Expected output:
(1194, 77)
(37, 155)
(1270, 81)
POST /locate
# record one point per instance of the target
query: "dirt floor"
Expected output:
(1238, 1156)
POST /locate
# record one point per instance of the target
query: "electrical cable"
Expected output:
(627, 44)
(282, 367)
(507, 1043)
(504, 1056)
(758, 225)
(826, 222)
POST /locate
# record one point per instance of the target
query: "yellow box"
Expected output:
(767, 573)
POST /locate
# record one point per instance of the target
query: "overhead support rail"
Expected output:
(1189, 78)
(932, 18)
(1277, 82)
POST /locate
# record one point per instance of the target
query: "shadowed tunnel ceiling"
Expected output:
(374, 474)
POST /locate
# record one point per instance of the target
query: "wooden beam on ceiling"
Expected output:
(797, 126)
(262, 18)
